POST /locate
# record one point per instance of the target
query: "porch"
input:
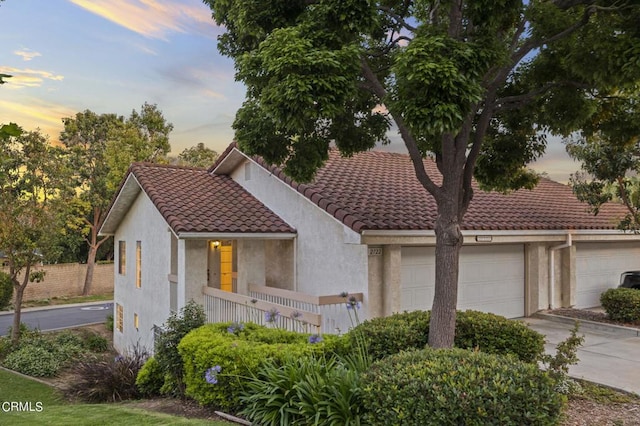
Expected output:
(284, 309)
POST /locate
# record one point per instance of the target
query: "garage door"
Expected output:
(491, 279)
(598, 268)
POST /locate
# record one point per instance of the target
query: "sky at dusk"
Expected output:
(111, 56)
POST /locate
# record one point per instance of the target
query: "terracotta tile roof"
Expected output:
(379, 191)
(192, 200)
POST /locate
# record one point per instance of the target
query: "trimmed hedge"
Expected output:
(458, 387)
(151, 378)
(622, 304)
(227, 358)
(6, 290)
(488, 332)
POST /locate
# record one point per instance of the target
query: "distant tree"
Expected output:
(608, 148)
(197, 156)
(473, 84)
(34, 190)
(102, 148)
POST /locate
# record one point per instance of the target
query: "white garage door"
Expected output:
(491, 279)
(598, 268)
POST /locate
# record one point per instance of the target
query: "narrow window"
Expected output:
(119, 317)
(138, 264)
(122, 257)
(136, 321)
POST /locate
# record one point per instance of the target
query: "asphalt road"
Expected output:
(60, 317)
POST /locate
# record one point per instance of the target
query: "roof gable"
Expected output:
(191, 200)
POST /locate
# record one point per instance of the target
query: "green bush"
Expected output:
(109, 323)
(304, 390)
(622, 304)
(191, 316)
(6, 290)
(488, 332)
(150, 378)
(34, 361)
(95, 342)
(238, 356)
(458, 387)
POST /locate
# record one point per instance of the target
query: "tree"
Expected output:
(34, 189)
(473, 84)
(609, 148)
(197, 156)
(102, 149)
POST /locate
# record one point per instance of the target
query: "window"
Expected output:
(119, 317)
(138, 264)
(136, 321)
(122, 257)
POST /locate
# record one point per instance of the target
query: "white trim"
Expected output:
(126, 191)
(472, 232)
(237, 235)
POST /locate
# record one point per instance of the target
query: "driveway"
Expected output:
(63, 316)
(610, 355)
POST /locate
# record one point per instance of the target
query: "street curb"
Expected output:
(591, 325)
(70, 305)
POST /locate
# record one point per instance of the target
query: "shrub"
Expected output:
(304, 390)
(150, 378)
(622, 304)
(177, 326)
(238, 357)
(6, 290)
(33, 360)
(488, 332)
(107, 379)
(109, 323)
(458, 387)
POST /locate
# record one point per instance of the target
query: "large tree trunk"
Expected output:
(91, 263)
(448, 243)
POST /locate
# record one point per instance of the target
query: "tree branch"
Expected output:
(414, 153)
(399, 19)
(517, 101)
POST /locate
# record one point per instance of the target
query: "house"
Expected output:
(243, 239)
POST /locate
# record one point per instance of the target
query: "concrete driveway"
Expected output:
(610, 355)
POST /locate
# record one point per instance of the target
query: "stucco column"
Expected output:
(568, 274)
(181, 273)
(251, 264)
(391, 273)
(536, 278)
(375, 292)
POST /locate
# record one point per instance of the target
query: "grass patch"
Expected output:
(55, 411)
(66, 300)
(604, 395)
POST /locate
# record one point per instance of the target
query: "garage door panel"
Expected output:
(491, 279)
(598, 268)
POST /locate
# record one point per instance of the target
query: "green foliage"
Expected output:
(6, 290)
(487, 332)
(455, 386)
(190, 317)
(34, 360)
(109, 322)
(150, 378)
(107, 379)
(566, 355)
(197, 156)
(304, 390)
(621, 304)
(239, 356)
(95, 343)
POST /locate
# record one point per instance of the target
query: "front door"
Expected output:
(226, 266)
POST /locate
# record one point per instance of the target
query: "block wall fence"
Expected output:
(67, 279)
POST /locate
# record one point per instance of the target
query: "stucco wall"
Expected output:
(328, 262)
(67, 279)
(151, 301)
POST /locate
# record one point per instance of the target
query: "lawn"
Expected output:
(55, 411)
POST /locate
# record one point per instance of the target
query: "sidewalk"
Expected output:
(610, 355)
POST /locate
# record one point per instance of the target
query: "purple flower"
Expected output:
(235, 327)
(353, 303)
(315, 338)
(271, 315)
(211, 375)
(118, 358)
